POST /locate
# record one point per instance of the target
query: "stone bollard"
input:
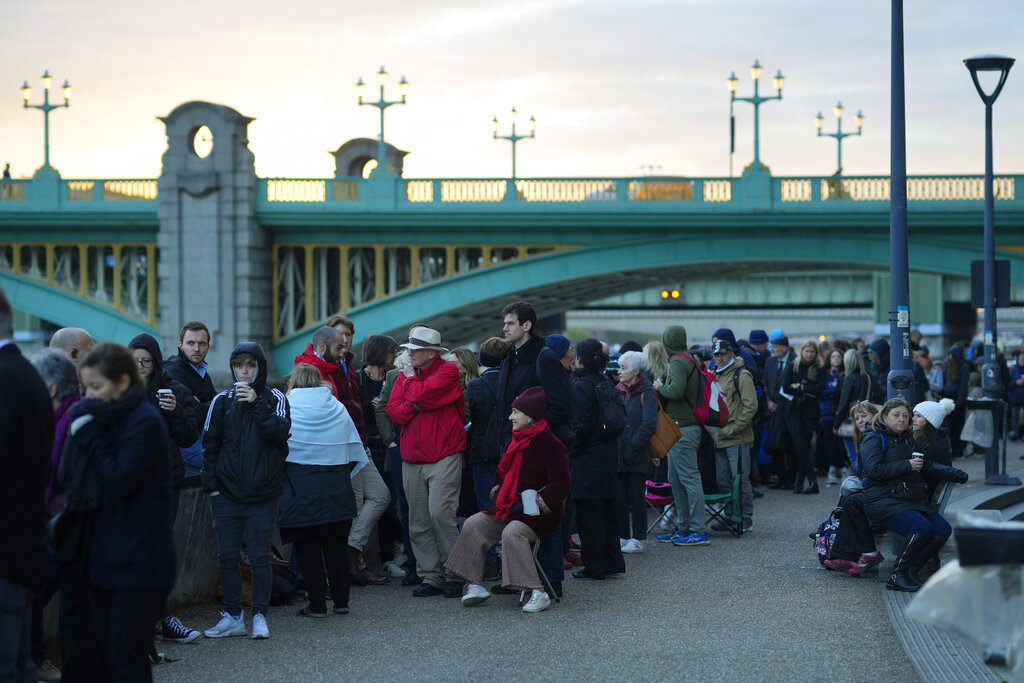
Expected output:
(196, 547)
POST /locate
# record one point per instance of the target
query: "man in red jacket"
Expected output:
(427, 401)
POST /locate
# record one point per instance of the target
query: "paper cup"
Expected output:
(164, 393)
(530, 502)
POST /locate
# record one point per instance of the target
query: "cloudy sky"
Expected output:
(616, 86)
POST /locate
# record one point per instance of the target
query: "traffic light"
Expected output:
(670, 294)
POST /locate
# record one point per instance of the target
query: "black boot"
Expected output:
(798, 488)
(933, 544)
(900, 579)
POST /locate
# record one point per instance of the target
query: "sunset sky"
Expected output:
(615, 86)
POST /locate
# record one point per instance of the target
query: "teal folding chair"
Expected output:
(725, 508)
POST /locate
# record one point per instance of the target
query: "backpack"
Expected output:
(711, 410)
(826, 535)
(611, 411)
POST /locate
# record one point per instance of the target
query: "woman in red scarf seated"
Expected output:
(534, 461)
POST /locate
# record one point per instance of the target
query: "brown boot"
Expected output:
(360, 574)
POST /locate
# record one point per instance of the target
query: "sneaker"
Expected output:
(668, 521)
(173, 630)
(697, 538)
(227, 626)
(867, 565)
(394, 570)
(475, 595)
(623, 542)
(748, 527)
(304, 612)
(574, 542)
(671, 536)
(259, 627)
(831, 479)
(46, 671)
(837, 565)
(539, 602)
(633, 546)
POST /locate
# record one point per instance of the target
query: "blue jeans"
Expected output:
(398, 493)
(256, 521)
(851, 453)
(15, 628)
(483, 480)
(687, 488)
(911, 522)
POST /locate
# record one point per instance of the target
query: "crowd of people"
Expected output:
(459, 473)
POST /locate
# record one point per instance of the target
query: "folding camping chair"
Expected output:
(658, 495)
(523, 597)
(725, 507)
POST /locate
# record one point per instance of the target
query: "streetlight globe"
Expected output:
(989, 63)
(819, 121)
(732, 81)
(47, 80)
(838, 109)
(859, 118)
(494, 123)
(403, 87)
(382, 76)
(779, 80)
(26, 91)
(533, 125)
(66, 89)
(755, 71)
(360, 89)
(514, 114)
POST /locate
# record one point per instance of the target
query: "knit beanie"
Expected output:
(725, 333)
(491, 352)
(758, 337)
(613, 365)
(532, 403)
(934, 412)
(557, 343)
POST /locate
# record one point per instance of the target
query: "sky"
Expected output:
(618, 88)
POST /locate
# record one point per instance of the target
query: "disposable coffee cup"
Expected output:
(530, 502)
(164, 393)
(917, 455)
(239, 385)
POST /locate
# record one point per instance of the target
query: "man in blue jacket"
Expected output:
(245, 442)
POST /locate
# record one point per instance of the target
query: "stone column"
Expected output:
(214, 259)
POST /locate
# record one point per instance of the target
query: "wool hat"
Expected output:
(725, 333)
(558, 343)
(425, 338)
(781, 340)
(492, 351)
(532, 403)
(934, 412)
(721, 346)
(757, 337)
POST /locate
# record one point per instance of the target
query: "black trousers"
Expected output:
(313, 554)
(632, 511)
(599, 537)
(800, 431)
(854, 537)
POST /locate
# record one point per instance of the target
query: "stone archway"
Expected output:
(352, 157)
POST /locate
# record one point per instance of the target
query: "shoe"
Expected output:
(259, 627)
(491, 570)
(844, 472)
(668, 520)
(623, 542)
(831, 479)
(426, 590)
(411, 579)
(813, 488)
(841, 566)
(582, 574)
(748, 527)
(699, 538)
(365, 577)
(475, 595)
(392, 569)
(633, 546)
(227, 626)
(566, 564)
(671, 536)
(866, 566)
(340, 609)
(539, 602)
(173, 630)
(574, 542)
(573, 557)
(758, 493)
(307, 612)
(453, 589)
(47, 672)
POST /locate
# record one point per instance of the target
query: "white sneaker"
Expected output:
(844, 472)
(393, 570)
(475, 595)
(227, 626)
(623, 542)
(259, 627)
(539, 602)
(633, 546)
(668, 520)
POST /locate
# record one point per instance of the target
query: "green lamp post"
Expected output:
(819, 120)
(755, 72)
(513, 138)
(46, 108)
(382, 104)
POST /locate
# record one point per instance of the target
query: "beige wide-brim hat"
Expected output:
(424, 338)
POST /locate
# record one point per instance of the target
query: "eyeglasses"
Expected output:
(144, 362)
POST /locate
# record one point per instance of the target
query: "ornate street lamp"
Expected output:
(46, 108)
(819, 120)
(990, 376)
(513, 138)
(755, 72)
(382, 104)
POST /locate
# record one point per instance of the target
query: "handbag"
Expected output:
(845, 430)
(665, 435)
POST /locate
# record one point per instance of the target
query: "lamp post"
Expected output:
(46, 108)
(382, 104)
(819, 120)
(756, 100)
(513, 138)
(990, 376)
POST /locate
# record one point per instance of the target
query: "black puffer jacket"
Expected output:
(892, 486)
(805, 397)
(641, 423)
(853, 388)
(316, 494)
(179, 369)
(245, 444)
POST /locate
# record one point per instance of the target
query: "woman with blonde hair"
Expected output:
(804, 380)
(657, 361)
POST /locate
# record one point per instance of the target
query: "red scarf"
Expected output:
(632, 388)
(508, 468)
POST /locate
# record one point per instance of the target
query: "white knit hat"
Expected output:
(934, 412)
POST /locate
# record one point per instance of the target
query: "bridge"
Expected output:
(271, 258)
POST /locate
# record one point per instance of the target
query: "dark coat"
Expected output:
(892, 485)
(594, 463)
(518, 373)
(1016, 393)
(179, 369)
(245, 444)
(316, 494)
(853, 388)
(641, 423)
(773, 377)
(119, 470)
(544, 468)
(26, 435)
(555, 381)
(955, 386)
(805, 397)
(480, 397)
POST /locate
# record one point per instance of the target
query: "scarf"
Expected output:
(631, 389)
(508, 468)
(322, 432)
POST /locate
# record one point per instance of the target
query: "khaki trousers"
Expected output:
(433, 494)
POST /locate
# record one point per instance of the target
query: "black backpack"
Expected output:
(611, 411)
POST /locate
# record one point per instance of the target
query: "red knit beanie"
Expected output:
(532, 403)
